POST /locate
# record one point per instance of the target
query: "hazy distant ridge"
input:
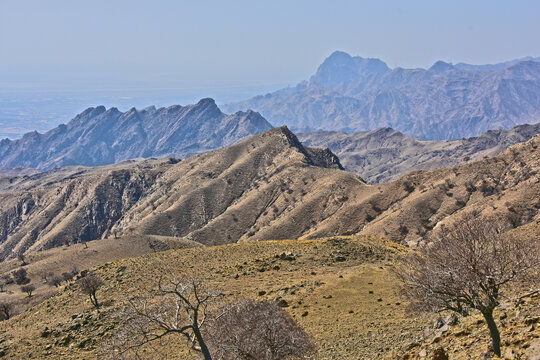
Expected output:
(100, 136)
(445, 101)
(383, 155)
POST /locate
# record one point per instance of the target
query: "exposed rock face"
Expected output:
(99, 136)
(382, 155)
(444, 102)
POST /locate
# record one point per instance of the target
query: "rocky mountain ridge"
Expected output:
(383, 155)
(100, 136)
(443, 102)
(266, 187)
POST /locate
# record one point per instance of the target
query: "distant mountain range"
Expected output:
(100, 136)
(443, 102)
(382, 155)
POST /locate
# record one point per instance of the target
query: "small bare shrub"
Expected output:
(248, 330)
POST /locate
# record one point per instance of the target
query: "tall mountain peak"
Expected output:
(440, 66)
(341, 67)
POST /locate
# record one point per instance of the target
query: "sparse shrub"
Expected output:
(54, 280)
(375, 207)
(486, 188)
(28, 289)
(22, 258)
(408, 186)
(369, 217)
(20, 276)
(6, 310)
(74, 271)
(258, 330)
(89, 285)
(6, 279)
(513, 217)
(46, 276)
(66, 276)
(403, 229)
(461, 203)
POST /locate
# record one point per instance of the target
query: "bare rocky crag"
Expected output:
(443, 102)
(100, 136)
(267, 187)
(383, 155)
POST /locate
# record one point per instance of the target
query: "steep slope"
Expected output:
(246, 190)
(443, 102)
(507, 185)
(98, 136)
(382, 155)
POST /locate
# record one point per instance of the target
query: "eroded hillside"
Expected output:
(266, 187)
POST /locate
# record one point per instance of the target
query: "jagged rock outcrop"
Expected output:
(100, 136)
(443, 102)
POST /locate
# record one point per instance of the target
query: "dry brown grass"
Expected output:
(80, 257)
(331, 299)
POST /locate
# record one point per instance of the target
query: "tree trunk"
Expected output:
(202, 344)
(93, 299)
(494, 332)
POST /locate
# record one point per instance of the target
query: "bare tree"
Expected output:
(467, 266)
(176, 307)
(249, 330)
(28, 289)
(6, 310)
(89, 285)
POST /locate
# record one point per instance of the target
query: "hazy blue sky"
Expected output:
(206, 44)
